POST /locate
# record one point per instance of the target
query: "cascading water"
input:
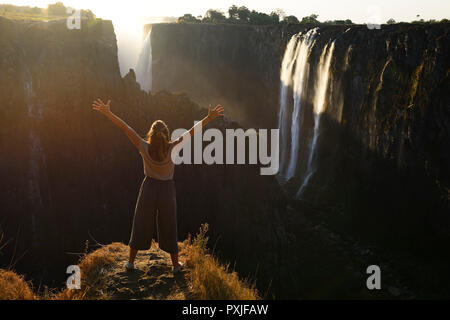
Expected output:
(36, 155)
(297, 53)
(144, 64)
(286, 82)
(323, 72)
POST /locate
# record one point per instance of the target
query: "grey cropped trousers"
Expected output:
(156, 210)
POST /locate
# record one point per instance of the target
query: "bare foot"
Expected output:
(178, 268)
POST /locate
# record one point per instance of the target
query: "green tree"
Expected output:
(275, 17)
(290, 20)
(338, 22)
(56, 9)
(391, 21)
(259, 18)
(233, 13)
(281, 14)
(310, 19)
(243, 14)
(187, 18)
(214, 16)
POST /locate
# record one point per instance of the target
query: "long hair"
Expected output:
(158, 138)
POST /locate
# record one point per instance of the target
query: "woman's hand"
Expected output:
(212, 114)
(216, 112)
(103, 108)
(100, 106)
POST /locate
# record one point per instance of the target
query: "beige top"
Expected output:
(163, 170)
(160, 170)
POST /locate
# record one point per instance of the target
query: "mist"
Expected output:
(130, 36)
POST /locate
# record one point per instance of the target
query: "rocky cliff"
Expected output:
(382, 155)
(381, 165)
(235, 65)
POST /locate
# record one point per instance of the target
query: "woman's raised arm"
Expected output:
(212, 114)
(105, 109)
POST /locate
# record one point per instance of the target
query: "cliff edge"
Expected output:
(104, 277)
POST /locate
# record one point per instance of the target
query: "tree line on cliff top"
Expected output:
(243, 15)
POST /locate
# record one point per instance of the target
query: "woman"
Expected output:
(156, 200)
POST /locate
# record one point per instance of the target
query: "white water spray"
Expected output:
(144, 64)
(297, 53)
(286, 82)
(36, 155)
(323, 72)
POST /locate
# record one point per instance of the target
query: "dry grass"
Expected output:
(206, 276)
(29, 16)
(209, 279)
(91, 267)
(14, 287)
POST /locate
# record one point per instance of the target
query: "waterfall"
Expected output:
(296, 54)
(144, 64)
(323, 71)
(36, 155)
(286, 82)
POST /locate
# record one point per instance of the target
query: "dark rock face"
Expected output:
(68, 172)
(384, 153)
(237, 66)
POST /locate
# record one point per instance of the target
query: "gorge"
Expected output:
(365, 110)
(364, 146)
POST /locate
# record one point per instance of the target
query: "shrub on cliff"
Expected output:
(57, 9)
(91, 266)
(208, 277)
(14, 287)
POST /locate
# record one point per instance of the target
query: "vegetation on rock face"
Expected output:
(52, 12)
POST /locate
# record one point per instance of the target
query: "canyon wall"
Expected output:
(384, 151)
(234, 65)
(381, 166)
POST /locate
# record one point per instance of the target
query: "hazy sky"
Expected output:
(358, 11)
